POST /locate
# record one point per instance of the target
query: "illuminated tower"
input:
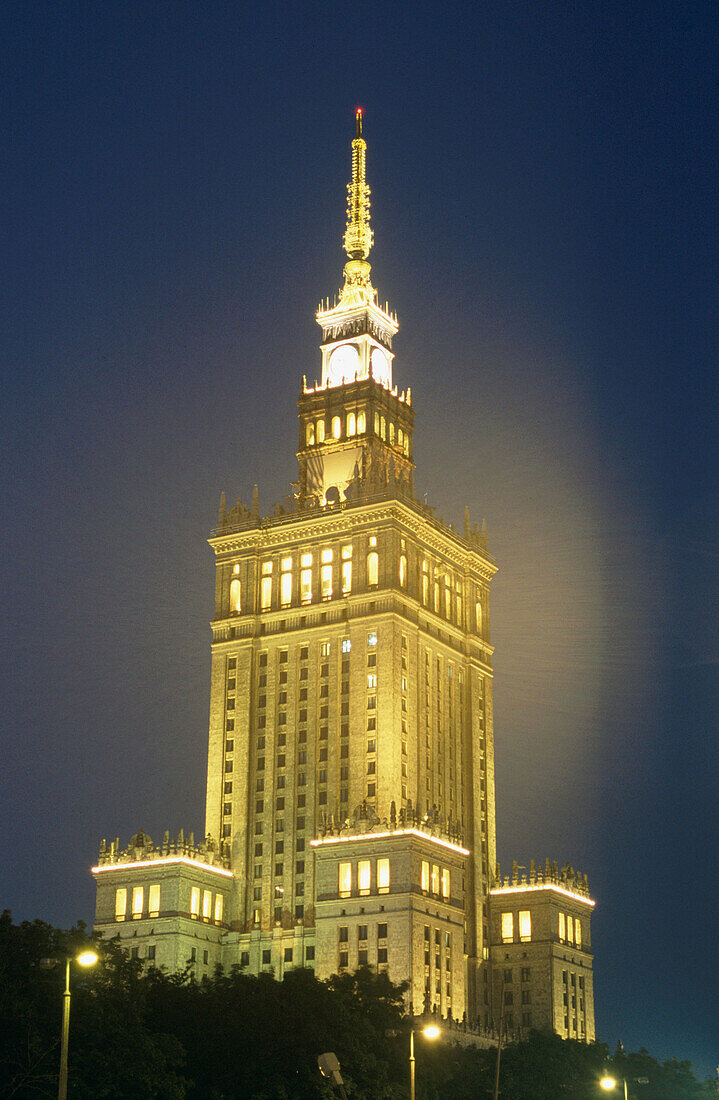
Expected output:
(350, 813)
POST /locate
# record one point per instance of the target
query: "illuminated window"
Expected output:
(406, 445)
(195, 901)
(478, 616)
(507, 927)
(383, 876)
(361, 423)
(400, 438)
(436, 597)
(363, 876)
(266, 593)
(346, 645)
(435, 879)
(310, 434)
(121, 903)
(347, 576)
(376, 423)
(372, 680)
(425, 582)
(425, 875)
(235, 595)
(138, 900)
(391, 433)
(570, 928)
(345, 879)
(326, 581)
(562, 928)
(324, 652)
(154, 900)
(447, 598)
(383, 428)
(207, 904)
(320, 431)
(218, 908)
(306, 582)
(403, 570)
(525, 926)
(286, 589)
(459, 602)
(372, 638)
(351, 424)
(578, 932)
(336, 427)
(445, 882)
(372, 568)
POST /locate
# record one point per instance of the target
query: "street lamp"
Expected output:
(430, 1032)
(608, 1083)
(85, 958)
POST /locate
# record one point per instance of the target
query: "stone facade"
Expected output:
(350, 780)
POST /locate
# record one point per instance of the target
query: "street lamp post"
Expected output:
(430, 1032)
(609, 1083)
(85, 958)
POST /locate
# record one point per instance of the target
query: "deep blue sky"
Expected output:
(544, 180)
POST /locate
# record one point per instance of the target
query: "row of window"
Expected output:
(524, 926)
(201, 903)
(570, 930)
(356, 424)
(369, 875)
(435, 879)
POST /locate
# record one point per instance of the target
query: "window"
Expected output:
(286, 583)
(324, 652)
(435, 879)
(288, 954)
(381, 955)
(194, 901)
(326, 579)
(445, 882)
(345, 879)
(525, 926)
(346, 645)
(121, 903)
(151, 952)
(320, 431)
(372, 639)
(206, 904)
(235, 595)
(478, 616)
(138, 900)
(372, 569)
(351, 424)
(578, 932)
(363, 876)
(403, 570)
(266, 592)
(383, 876)
(562, 928)
(266, 957)
(570, 928)
(361, 422)
(310, 436)
(372, 680)
(507, 928)
(347, 576)
(336, 427)
(425, 875)
(154, 900)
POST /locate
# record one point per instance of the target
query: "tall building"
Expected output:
(350, 813)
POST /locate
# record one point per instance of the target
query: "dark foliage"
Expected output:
(236, 1037)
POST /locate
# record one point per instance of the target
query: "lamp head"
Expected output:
(87, 958)
(430, 1032)
(608, 1083)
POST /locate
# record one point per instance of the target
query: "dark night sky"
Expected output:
(543, 180)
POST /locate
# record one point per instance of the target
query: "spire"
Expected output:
(358, 235)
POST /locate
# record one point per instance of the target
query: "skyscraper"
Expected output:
(350, 813)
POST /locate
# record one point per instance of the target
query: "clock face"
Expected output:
(343, 366)
(381, 368)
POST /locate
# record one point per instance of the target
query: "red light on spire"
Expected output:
(358, 115)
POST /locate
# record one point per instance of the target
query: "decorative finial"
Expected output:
(358, 235)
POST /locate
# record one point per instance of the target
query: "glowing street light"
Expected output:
(430, 1032)
(85, 958)
(608, 1083)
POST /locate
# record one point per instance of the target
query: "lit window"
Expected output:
(372, 568)
(507, 927)
(361, 423)
(324, 652)
(391, 433)
(326, 581)
(373, 540)
(138, 900)
(435, 879)
(351, 424)
(154, 900)
(121, 903)
(372, 639)
(383, 876)
(266, 593)
(478, 616)
(445, 882)
(286, 589)
(372, 680)
(207, 904)
(320, 431)
(562, 928)
(400, 438)
(403, 570)
(425, 582)
(235, 568)
(376, 423)
(346, 576)
(266, 568)
(310, 434)
(346, 645)
(525, 926)
(306, 585)
(578, 932)
(345, 880)
(218, 908)
(406, 445)
(363, 876)
(235, 595)
(570, 928)
(436, 597)
(195, 901)
(336, 427)
(383, 427)
(425, 875)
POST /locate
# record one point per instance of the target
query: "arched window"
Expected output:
(235, 596)
(336, 427)
(351, 424)
(373, 568)
(383, 428)
(320, 431)
(478, 616)
(310, 434)
(400, 438)
(361, 423)
(425, 583)
(391, 433)
(406, 445)
(403, 570)
(376, 423)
